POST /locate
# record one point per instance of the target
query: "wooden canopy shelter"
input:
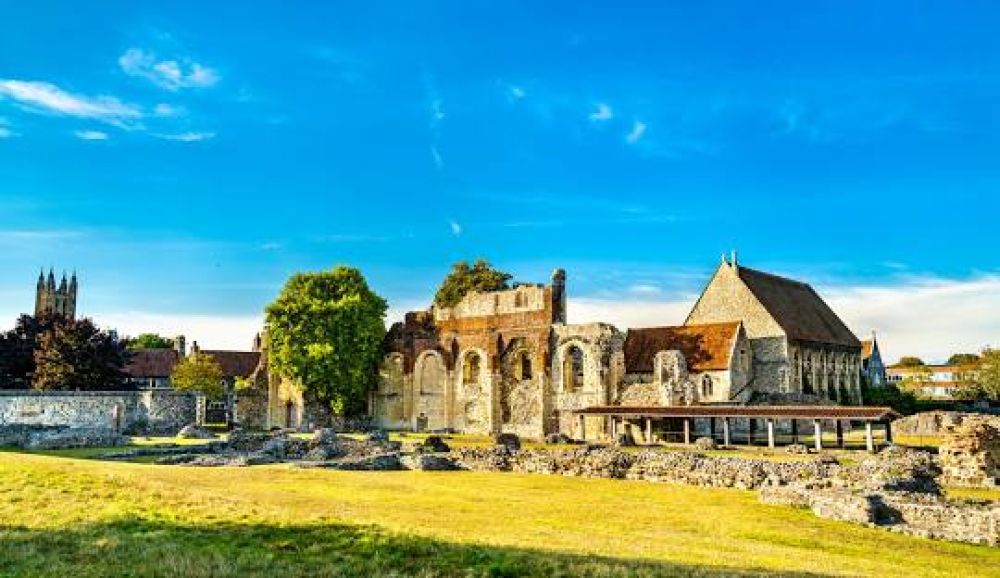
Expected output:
(767, 413)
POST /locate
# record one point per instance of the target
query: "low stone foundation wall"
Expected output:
(913, 513)
(655, 466)
(141, 412)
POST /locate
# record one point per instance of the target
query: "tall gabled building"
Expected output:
(799, 344)
(872, 366)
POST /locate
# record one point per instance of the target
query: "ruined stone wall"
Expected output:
(603, 370)
(522, 299)
(147, 411)
(970, 453)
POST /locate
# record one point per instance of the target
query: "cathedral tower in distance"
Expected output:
(51, 299)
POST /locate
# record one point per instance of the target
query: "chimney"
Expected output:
(194, 348)
(559, 296)
(180, 345)
(735, 261)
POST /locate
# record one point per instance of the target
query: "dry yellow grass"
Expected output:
(76, 517)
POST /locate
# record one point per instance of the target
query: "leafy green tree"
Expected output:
(988, 375)
(150, 341)
(903, 401)
(910, 361)
(199, 372)
(76, 355)
(325, 332)
(964, 359)
(17, 350)
(463, 278)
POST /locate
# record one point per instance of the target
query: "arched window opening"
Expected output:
(519, 299)
(470, 369)
(525, 366)
(706, 386)
(573, 369)
(666, 376)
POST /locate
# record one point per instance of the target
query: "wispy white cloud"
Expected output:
(436, 155)
(638, 130)
(171, 75)
(36, 236)
(516, 92)
(645, 289)
(437, 111)
(48, 98)
(925, 316)
(91, 135)
(234, 332)
(456, 229)
(168, 110)
(5, 131)
(602, 113)
(188, 136)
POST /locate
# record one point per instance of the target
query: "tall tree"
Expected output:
(964, 359)
(17, 350)
(199, 372)
(988, 376)
(325, 332)
(463, 278)
(76, 355)
(910, 361)
(150, 341)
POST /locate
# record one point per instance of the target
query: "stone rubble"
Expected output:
(194, 432)
(970, 455)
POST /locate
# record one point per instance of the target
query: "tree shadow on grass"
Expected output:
(155, 547)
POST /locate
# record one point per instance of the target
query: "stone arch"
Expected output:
(389, 395)
(430, 377)
(472, 370)
(707, 386)
(573, 359)
(518, 395)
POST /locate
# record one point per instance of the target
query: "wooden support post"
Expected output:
(725, 431)
(614, 428)
(869, 440)
(583, 426)
(687, 430)
(840, 434)
(649, 431)
(770, 433)
(888, 432)
(818, 435)
(795, 431)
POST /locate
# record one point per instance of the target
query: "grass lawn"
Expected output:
(72, 517)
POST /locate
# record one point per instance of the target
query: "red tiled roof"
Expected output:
(146, 363)
(861, 413)
(235, 363)
(798, 309)
(706, 347)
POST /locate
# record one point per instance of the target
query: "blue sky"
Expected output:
(185, 157)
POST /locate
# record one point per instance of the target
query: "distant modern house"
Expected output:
(931, 381)
(872, 366)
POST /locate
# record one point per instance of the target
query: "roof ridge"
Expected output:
(773, 276)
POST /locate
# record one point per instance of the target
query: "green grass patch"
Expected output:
(71, 517)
